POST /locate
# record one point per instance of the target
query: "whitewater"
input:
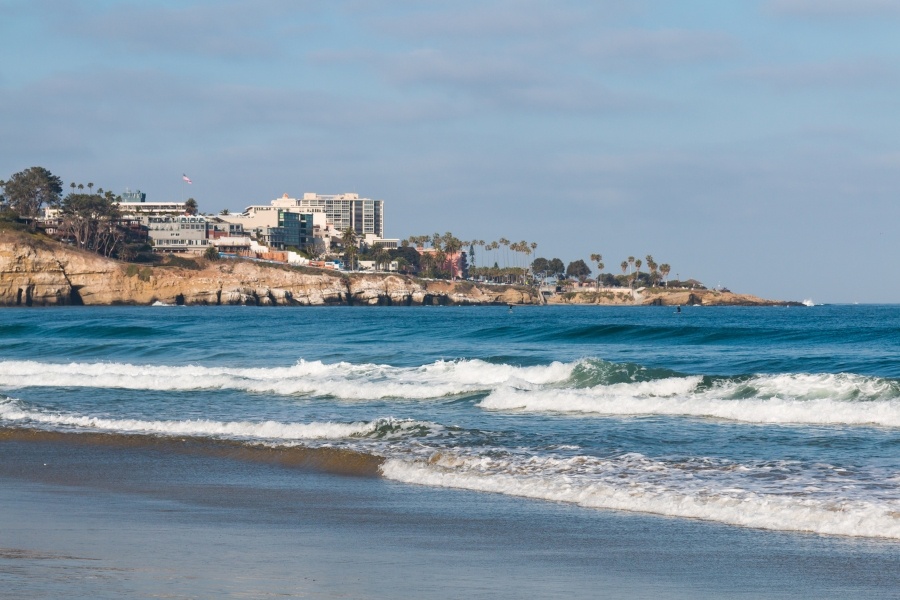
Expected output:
(771, 418)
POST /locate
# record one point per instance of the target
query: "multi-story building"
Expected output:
(275, 226)
(134, 203)
(177, 233)
(364, 215)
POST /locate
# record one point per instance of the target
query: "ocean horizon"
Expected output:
(440, 452)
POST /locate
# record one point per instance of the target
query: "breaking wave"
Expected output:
(588, 387)
(823, 399)
(12, 412)
(697, 488)
(339, 380)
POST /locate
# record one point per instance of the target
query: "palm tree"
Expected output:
(402, 264)
(651, 265)
(665, 269)
(505, 242)
(80, 187)
(598, 258)
(349, 239)
(637, 274)
(382, 258)
(90, 186)
(452, 245)
(72, 185)
(526, 250)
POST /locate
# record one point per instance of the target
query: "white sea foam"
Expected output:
(340, 380)
(632, 482)
(11, 411)
(823, 399)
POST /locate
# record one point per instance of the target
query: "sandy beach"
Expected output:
(93, 521)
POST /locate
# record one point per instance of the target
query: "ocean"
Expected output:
(438, 452)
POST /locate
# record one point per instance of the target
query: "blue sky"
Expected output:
(749, 144)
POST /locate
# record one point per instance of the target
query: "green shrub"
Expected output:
(173, 260)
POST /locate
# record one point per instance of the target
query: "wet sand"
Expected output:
(82, 520)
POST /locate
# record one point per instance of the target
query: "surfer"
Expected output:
(678, 309)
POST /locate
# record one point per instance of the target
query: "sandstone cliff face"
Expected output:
(37, 272)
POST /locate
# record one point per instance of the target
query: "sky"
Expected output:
(753, 145)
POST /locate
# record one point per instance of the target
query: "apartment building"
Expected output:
(177, 233)
(364, 215)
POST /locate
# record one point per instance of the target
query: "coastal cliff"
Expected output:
(35, 271)
(663, 297)
(39, 272)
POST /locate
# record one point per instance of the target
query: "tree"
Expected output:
(598, 258)
(665, 269)
(426, 264)
(540, 265)
(637, 274)
(27, 191)
(190, 206)
(652, 266)
(505, 243)
(92, 221)
(578, 270)
(224, 211)
(349, 240)
(212, 253)
(408, 255)
(382, 259)
(556, 267)
(452, 245)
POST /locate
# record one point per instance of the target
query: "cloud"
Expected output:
(500, 20)
(824, 75)
(507, 82)
(659, 47)
(231, 30)
(149, 109)
(835, 9)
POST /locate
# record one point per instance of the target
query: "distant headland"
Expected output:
(38, 271)
(100, 248)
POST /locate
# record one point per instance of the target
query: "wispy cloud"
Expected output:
(227, 30)
(505, 82)
(842, 75)
(660, 47)
(500, 19)
(835, 9)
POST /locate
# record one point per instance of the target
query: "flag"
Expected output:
(186, 178)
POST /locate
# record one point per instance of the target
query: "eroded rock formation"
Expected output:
(39, 272)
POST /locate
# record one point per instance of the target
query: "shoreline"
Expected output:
(39, 272)
(153, 522)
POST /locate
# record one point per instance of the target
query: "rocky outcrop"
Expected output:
(663, 297)
(38, 272)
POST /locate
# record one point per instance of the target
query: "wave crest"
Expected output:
(385, 428)
(632, 482)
